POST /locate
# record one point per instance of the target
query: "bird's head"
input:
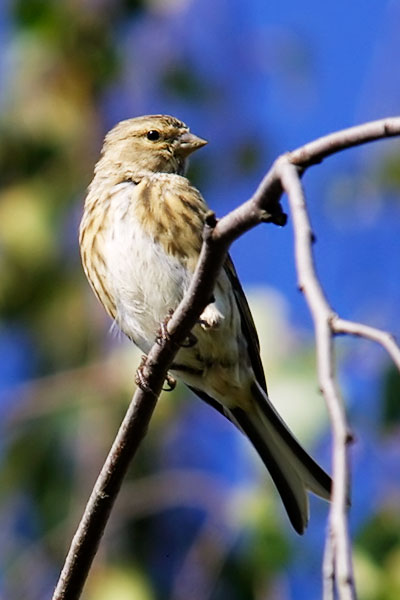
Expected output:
(153, 143)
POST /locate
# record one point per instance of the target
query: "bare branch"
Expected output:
(314, 152)
(384, 338)
(263, 206)
(339, 545)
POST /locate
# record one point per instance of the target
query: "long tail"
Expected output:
(292, 469)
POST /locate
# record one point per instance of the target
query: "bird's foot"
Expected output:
(141, 380)
(162, 333)
(140, 377)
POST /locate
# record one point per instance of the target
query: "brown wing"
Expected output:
(248, 327)
(250, 334)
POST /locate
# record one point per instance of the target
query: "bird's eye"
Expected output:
(153, 135)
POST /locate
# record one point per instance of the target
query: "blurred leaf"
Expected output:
(388, 174)
(183, 81)
(117, 583)
(391, 399)
(368, 577)
(20, 153)
(39, 462)
(25, 233)
(34, 13)
(250, 155)
(380, 535)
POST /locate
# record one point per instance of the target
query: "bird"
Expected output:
(140, 238)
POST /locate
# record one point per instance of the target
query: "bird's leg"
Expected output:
(162, 333)
(140, 378)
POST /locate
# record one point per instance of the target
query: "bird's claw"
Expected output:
(162, 333)
(140, 377)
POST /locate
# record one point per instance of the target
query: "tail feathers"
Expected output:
(292, 469)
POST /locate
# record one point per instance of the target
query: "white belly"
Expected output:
(146, 283)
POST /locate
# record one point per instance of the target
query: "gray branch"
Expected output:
(263, 206)
(339, 546)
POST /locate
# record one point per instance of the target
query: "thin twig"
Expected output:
(384, 338)
(315, 151)
(322, 315)
(328, 569)
(264, 206)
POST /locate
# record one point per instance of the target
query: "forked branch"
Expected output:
(338, 551)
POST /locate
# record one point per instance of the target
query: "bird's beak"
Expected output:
(188, 143)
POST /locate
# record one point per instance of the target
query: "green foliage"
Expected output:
(377, 556)
(183, 82)
(391, 405)
(388, 174)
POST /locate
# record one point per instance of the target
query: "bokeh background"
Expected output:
(198, 517)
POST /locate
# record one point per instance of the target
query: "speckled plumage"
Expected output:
(140, 239)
